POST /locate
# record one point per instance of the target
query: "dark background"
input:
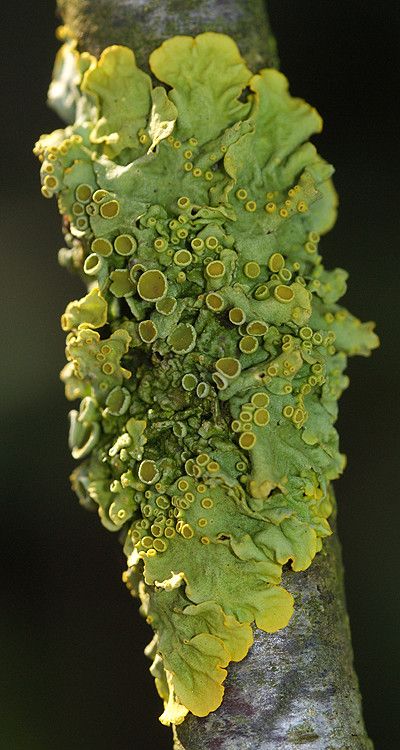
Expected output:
(72, 669)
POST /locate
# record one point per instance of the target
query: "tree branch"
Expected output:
(296, 687)
(144, 24)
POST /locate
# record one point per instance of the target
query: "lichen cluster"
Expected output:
(208, 354)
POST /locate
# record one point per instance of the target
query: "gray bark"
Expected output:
(296, 688)
(144, 24)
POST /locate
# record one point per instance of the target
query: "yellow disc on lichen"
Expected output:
(228, 366)
(83, 193)
(77, 209)
(288, 411)
(166, 306)
(211, 242)
(306, 333)
(100, 195)
(241, 194)
(262, 292)
(110, 209)
(310, 247)
(183, 201)
(247, 440)
(102, 246)
(197, 244)
(203, 389)
(257, 328)
(147, 331)
(92, 264)
(252, 269)
(285, 274)
(182, 339)
(125, 244)
(298, 415)
(260, 399)
(183, 258)
(248, 344)
(187, 531)
(246, 416)
(152, 285)
(160, 244)
(283, 293)
(214, 302)
(189, 381)
(276, 262)
(302, 206)
(148, 472)
(160, 545)
(202, 459)
(215, 269)
(118, 401)
(261, 417)
(237, 316)
(51, 182)
(219, 380)
(81, 223)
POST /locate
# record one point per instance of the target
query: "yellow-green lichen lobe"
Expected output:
(208, 354)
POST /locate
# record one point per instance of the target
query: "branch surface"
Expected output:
(296, 688)
(144, 24)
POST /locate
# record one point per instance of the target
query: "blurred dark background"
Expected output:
(71, 640)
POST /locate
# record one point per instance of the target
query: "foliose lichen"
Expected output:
(209, 352)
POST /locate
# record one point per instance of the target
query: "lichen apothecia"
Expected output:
(208, 354)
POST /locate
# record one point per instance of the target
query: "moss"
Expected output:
(209, 389)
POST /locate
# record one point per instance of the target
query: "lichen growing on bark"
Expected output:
(209, 352)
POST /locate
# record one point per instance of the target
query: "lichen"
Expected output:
(209, 352)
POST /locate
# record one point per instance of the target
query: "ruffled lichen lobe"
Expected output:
(208, 354)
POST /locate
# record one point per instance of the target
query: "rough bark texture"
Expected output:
(296, 688)
(144, 24)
